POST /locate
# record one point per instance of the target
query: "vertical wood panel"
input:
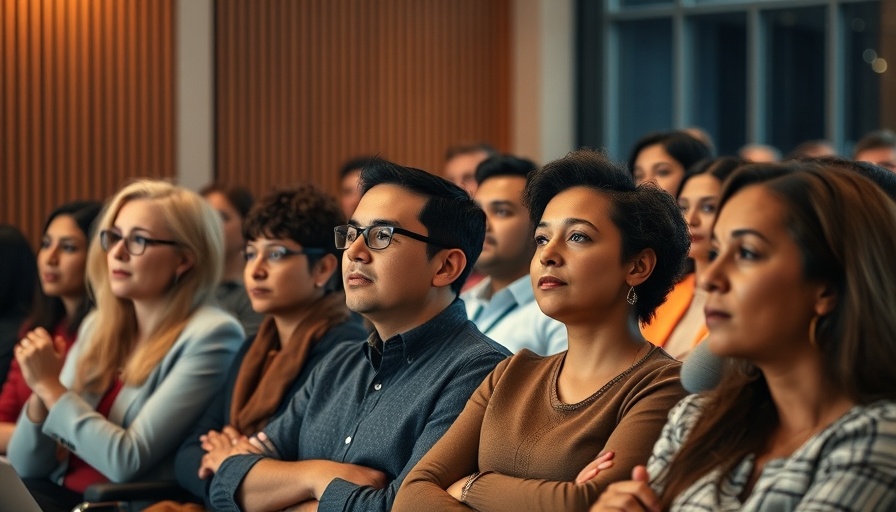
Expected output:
(86, 101)
(302, 86)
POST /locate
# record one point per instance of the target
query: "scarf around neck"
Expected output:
(268, 372)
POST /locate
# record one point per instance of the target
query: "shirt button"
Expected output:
(377, 386)
(348, 439)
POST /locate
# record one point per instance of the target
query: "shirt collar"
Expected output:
(522, 291)
(418, 340)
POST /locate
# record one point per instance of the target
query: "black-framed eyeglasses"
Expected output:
(278, 253)
(377, 237)
(134, 243)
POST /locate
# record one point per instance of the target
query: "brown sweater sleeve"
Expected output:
(641, 418)
(453, 457)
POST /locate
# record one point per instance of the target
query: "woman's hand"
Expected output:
(602, 462)
(41, 359)
(633, 495)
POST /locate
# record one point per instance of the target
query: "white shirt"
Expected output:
(513, 319)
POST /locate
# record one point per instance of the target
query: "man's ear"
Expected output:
(642, 266)
(452, 263)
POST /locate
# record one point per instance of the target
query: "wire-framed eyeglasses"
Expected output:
(134, 243)
(377, 237)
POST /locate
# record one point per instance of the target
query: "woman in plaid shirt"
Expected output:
(801, 295)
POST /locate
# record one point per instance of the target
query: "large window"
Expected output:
(771, 72)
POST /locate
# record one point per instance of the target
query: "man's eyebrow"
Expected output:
(500, 202)
(376, 222)
(385, 222)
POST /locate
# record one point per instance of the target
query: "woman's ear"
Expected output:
(186, 264)
(642, 266)
(323, 270)
(825, 300)
(451, 265)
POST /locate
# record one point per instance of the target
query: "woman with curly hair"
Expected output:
(292, 277)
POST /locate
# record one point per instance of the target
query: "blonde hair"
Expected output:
(196, 228)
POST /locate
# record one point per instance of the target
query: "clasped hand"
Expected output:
(41, 358)
(220, 445)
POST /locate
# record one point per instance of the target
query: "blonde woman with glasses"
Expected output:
(150, 358)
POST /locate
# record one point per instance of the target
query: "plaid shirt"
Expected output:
(849, 466)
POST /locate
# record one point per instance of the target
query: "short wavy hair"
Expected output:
(646, 216)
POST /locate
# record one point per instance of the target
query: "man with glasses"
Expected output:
(369, 411)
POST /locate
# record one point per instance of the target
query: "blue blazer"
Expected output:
(147, 423)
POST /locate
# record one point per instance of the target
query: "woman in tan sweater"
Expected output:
(607, 255)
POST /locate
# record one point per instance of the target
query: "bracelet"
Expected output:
(467, 485)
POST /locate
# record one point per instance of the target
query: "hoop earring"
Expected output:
(631, 297)
(813, 324)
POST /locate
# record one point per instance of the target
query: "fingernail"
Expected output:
(587, 476)
(261, 436)
(605, 465)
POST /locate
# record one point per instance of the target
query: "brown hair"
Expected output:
(836, 218)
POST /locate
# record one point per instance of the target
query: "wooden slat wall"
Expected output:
(303, 85)
(86, 101)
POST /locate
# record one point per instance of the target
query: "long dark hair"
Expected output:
(680, 145)
(18, 273)
(842, 224)
(48, 312)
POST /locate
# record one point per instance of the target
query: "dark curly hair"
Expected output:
(304, 213)
(647, 217)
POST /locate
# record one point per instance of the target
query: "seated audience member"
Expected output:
(461, 162)
(702, 370)
(502, 305)
(698, 198)
(148, 360)
(877, 147)
(233, 204)
(703, 136)
(61, 301)
(370, 410)
(800, 299)
(349, 184)
(663, 158)
(291, 261)
(813, 149)
(607, 254)
(759, 154)
(18, 279)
